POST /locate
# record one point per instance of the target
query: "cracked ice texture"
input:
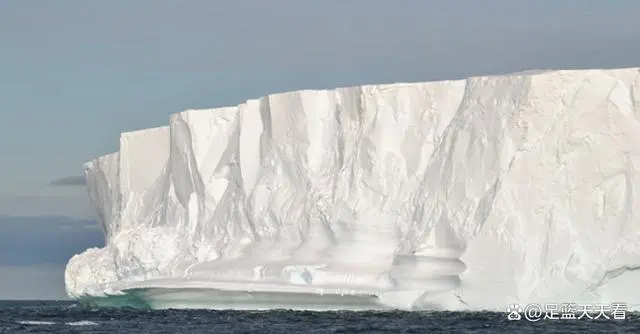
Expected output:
(533, 176)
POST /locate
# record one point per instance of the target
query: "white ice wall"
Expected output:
(530, 175)
(103, 180)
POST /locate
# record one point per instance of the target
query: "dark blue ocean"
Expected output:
(71, 317)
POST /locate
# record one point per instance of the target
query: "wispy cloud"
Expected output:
(69, 181)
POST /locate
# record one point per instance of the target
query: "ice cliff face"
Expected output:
(455, 194)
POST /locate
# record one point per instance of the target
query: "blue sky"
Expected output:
(74, 74)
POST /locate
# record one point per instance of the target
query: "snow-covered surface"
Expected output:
(467, 194)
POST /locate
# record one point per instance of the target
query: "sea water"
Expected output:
(73, 317)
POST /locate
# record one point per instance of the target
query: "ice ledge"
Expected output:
(511, 188)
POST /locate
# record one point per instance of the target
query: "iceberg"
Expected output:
(468, 194)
